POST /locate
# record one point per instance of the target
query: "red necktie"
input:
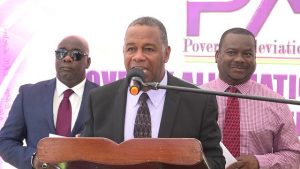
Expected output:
(142, 125)
(64, 115)
(231, 131)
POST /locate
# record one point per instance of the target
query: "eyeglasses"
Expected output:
(75, 54)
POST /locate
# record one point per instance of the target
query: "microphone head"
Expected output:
(135, 78)
(134, 90)
(135, 72)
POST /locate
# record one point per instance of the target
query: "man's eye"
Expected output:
(248, 54)
(77, 55)
(131, 49)
(149, 49)
(60, 53)
(230, 52)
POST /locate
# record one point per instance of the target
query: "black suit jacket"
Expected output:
(185, 115)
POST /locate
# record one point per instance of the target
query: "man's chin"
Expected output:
(66, 77)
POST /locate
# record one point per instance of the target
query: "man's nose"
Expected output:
(68, 58)
(239, 57)
(139, 55)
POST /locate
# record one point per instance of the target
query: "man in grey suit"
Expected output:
(174, 114)
(34, 112)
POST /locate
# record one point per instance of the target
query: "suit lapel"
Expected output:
(81, 114)
(119, 112)
(48, 103)
(169, 111)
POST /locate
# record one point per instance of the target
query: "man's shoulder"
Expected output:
(209, 85)
(195, 96)
(108, 88)
(38, 89)
(173, 80)
(38, 84)
(91, 84)
(263, 90)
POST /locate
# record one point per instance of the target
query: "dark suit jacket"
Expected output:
(185, 115)
(31, 118)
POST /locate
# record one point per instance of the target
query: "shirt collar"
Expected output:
(155, 96)
(243, 88)
(78, 89)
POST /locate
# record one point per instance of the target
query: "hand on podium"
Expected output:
(38, 164)
(245, 161)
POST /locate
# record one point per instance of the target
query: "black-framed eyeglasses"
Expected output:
(75, 54)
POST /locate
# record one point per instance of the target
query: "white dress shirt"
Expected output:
(155, 103)
(75, 99)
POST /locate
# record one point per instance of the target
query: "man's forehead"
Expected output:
(71, 43)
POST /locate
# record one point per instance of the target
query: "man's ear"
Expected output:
(88, 63)
(217, 56)
(167, 54)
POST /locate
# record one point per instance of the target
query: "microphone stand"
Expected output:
(156, 86)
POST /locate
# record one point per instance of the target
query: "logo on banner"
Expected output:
(194, 10)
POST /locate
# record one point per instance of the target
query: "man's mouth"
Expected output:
(66, 68)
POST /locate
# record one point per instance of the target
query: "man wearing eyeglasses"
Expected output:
(36, 111)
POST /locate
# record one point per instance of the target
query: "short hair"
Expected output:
(151, 21)
(236, 31)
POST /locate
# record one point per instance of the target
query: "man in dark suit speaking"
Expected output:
(116, 114)
(35, 112)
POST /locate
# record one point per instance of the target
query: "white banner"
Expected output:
(31, 29)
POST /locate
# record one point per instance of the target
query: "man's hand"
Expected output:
(245, 162)
(37, 164)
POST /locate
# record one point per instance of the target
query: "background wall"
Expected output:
(31, 29)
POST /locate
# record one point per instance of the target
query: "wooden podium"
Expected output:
(102, 153)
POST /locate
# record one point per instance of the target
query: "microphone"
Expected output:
(135, 77)
(156, 86)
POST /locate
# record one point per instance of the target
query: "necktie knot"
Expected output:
(68, 93)
(232, 89)
(143, 98)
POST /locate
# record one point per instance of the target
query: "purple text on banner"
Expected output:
(194, 10)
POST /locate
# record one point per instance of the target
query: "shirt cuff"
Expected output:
(263, 161)
(32, 158)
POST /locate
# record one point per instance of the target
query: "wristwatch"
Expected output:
(32, 159)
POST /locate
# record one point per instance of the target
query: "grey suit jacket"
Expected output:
(185, 115)
(31, 118)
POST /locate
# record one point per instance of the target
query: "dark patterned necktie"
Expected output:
(142, 125)
(231, 131)
(64, 115)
